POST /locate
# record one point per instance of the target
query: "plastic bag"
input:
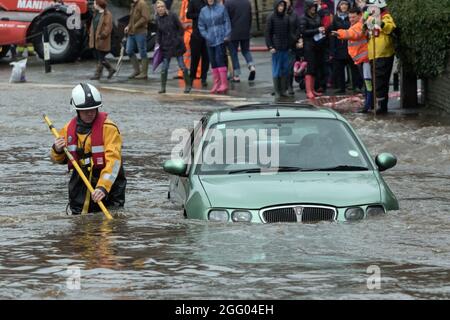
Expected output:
(157, 57)
(18, 71)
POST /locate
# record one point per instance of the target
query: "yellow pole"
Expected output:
(77, 167)
(374, 70)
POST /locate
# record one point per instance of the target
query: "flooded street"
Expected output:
(151, 252)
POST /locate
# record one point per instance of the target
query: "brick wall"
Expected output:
(438, 91)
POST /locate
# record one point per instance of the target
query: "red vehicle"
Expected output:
(23, 21)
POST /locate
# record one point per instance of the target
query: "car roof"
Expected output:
(272, 110)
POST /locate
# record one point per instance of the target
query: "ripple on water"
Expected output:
(150, 252)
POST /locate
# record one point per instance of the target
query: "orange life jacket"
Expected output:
(98, 149)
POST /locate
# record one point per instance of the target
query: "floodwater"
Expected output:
(151, 252)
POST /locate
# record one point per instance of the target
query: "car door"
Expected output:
(181, 184)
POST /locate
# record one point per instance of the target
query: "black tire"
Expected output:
(4, 51)
(65, 44)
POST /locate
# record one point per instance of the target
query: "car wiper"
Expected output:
(252, 170)
(288, 169)
(275, 169)
(340, 168)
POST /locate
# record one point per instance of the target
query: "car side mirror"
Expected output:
(385, 161)
(176, 167)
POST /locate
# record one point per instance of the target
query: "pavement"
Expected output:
(70, 74)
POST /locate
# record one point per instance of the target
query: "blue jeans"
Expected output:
(245, 49)
(280, 64)
(137, 42)
(217, 56)
(166, 63)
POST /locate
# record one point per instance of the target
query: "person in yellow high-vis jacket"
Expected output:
(381, 53)
(96, 143)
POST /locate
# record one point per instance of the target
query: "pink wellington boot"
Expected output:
(216, 80)
(223, 80)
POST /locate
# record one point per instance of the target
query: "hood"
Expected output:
(309, 4)
(276, 3)
(255, 191)
(339, 3)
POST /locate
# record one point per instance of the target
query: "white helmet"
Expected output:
(379, 3)
(86, 97)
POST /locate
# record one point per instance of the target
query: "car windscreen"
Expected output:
(294, 144)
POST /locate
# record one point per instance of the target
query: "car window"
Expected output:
(190, 147)
(306, 144)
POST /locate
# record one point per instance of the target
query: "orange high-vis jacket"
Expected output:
(357, 42)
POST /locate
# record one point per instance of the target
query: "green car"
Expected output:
(270, 163)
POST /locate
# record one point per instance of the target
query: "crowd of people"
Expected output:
(218, 31)
(318, 43)
(356, 40)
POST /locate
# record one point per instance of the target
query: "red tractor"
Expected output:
(23, 21)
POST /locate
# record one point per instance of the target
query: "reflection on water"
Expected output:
(150, 252)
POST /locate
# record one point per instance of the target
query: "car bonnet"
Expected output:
(255, 191)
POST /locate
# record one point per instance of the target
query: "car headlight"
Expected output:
(241, 216)
(218, 215)
(353, 214)
(375, 211)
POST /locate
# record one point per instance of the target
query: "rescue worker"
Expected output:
(95, 142)
(384, 54)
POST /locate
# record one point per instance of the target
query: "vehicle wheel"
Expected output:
(4, 51)
(64, 43)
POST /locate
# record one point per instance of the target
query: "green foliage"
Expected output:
(423, 36)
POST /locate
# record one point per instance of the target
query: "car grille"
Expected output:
(306, 214)
(280, 215)
(315, 214)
